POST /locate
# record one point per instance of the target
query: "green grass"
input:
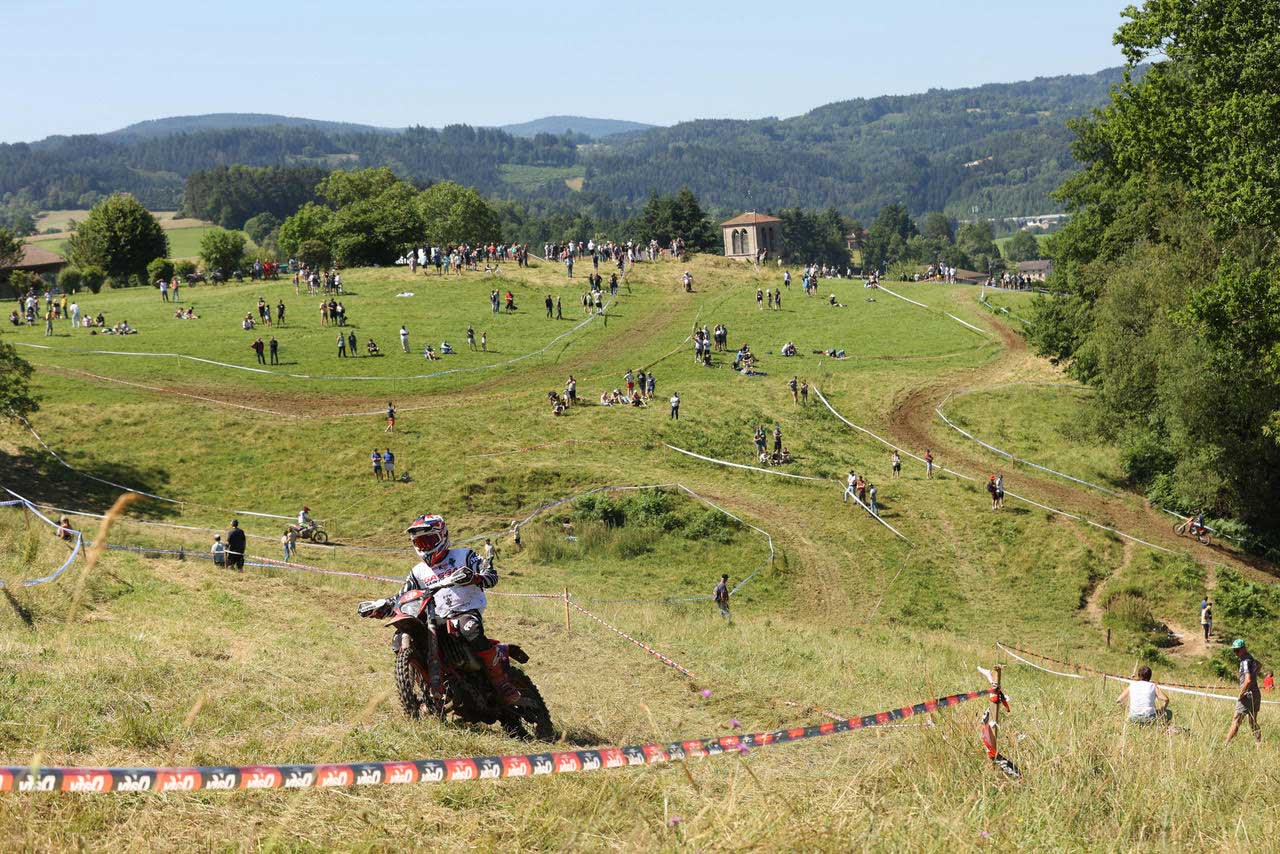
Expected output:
(530, 178)
(1002, 242)
(846, 617)
(183, 242)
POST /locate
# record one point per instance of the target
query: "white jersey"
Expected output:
(454, 600)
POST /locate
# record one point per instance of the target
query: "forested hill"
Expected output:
(233, 121)
(594, 128)
(995, 150)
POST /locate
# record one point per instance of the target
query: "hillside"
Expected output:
(168, 661)
(558, 125)
(233, 121)
(996, 150)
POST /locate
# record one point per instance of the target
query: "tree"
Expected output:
(11, 251)
(345, 188)
(977, 240)
(160, 268)
(937, 226)
(120, 236)
(665, 218)
(310, 223)
(452, 214)
(887, 237)
(222, 250)
(377, 229)
(93, 277)
(315, 254)
(16, 399)
(259, 227)
(1023, 246)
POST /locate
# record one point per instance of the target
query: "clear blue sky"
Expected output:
(90, 66)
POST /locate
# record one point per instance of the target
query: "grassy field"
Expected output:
(173, 662)
(60, 221)
(184, 242)
(1002, 242)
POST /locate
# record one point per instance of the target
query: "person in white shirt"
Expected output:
(1143, 695)
(404, 339)
(675, 407)
(219, 551)
(850, 484)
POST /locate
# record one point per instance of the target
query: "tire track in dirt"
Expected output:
(912, 423)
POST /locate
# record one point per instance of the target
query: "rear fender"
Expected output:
(514, 652)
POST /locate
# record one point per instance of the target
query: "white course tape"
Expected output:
(1004, 453)
(288, 375)
(741, 466)
(876, 516)
(976, 329)
(1010, 494)
(1161, 686)
(112, 483)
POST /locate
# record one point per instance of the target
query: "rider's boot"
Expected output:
(507, 692)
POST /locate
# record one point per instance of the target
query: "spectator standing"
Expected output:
(280, 313)
(895, 462)
(795, 389)
(928, 463)
(404, 338)
(288, 543)
(1269, 681)
(484, 342)
(777, 438)
(164, 291)
(851, 484)
(471, 337)
(804, 392)
(675, 406)
(391, 418)
(235, 546)
(75, 314)
(258, 348)
(1000, 490)
(559, 312)
(1206, 618)
(342, 346)
(274, 346)
(550, 306)
(376, 459)
(1250, 692)
(352, 343)
(389, 464)
(219, 551)
(721, 597)
(653, 383)
(871, 500)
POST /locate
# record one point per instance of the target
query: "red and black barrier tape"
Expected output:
(229, 778)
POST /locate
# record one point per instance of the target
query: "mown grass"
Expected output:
(847, 617)
(184, 242)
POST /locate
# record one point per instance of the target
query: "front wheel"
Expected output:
(411, 685)
(319, 537)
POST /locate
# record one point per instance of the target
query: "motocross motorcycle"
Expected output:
(312, 532)
(436, 672)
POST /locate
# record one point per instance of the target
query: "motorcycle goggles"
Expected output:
(427, 541)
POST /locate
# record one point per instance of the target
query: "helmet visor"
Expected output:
(428, 541)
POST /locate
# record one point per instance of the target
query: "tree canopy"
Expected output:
(1168, 270)
(120, 236)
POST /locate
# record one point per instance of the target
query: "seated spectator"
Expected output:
(429, 353)
(64, 528)
(832, 300)
(373, 348)
(15, 319)
(247, 323)
(446, 348)
(1142, 696)
(789, 349)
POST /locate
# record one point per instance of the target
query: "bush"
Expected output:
(633, 542)
(714, 526)
(93, 278)
(182, 269)
(1146, 457)
(1242, 600)
(161, 268)
(70, 280)
(600, 508)
(315, 254)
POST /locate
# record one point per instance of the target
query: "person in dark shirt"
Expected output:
(721, 596)
(1250, 699)
(235, 546)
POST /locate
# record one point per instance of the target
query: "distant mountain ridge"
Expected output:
(154, 128)
(997, 150)
(594, 128)
(557, 125)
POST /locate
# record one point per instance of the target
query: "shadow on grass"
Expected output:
(38, 477)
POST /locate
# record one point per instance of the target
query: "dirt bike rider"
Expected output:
(1196, 526)
(305, 522)
(462, 605)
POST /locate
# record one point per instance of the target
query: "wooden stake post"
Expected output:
(567, 627)
(998, 670)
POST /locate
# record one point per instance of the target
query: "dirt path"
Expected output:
(913, 422)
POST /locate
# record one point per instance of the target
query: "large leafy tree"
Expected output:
(887, 238)
(10, 250)
(1169, 292)
(222, 250)
(309, 224)
(16, 398)
(120, 236)
(451, 214)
